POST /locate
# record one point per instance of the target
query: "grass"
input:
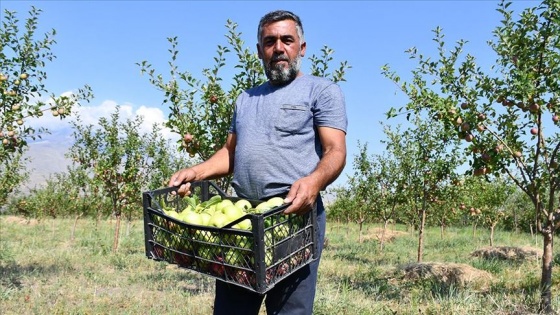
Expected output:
(43, 270)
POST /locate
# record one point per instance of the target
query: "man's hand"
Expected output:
(302, 195)
(182, 179)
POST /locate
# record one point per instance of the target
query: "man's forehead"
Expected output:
(284, 26)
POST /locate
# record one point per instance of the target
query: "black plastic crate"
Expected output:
(256, 259)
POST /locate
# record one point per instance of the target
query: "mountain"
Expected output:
(47, 157)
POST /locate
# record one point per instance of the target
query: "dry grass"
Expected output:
(447, 274)
(378, 234)
(509, 253)
(19, 220)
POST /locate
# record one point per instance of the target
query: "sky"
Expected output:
(99, 43)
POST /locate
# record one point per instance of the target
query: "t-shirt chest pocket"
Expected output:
(293, 118)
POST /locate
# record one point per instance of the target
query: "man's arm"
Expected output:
(218, 165)
(304, 191)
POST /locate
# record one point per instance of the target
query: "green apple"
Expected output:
(275, 201)
(172, 214)
(224, 203)
(205, 218)
(243, 204)
(244, 225)
(243, 241)
(233, 257)
(210, 209)
(263, 207)
(281, 232)
(233, 212)
(218, 219)
(190, 217)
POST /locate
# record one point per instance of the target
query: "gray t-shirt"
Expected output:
(277, 139)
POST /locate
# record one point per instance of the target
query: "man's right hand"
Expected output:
(183, 179)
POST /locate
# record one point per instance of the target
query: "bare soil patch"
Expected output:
(510, 253)
(447, 274)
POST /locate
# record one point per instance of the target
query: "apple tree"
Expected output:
(120, 161)
(449, 211)
(201, 108)
(363, 189)
(375, 186)
(510, 112)
(491, 198)
(23, 57)
(427, 157)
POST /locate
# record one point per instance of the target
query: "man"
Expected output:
(287, 137)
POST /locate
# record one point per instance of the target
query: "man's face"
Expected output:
(280, 50)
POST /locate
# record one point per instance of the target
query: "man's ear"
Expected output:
(302, 49)
(259, 51)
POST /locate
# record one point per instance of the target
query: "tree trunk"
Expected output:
(383, 232)
(546, 276)
(72, 236)
(492, 228)
(421, 235)
(117, 232)
(361, 226)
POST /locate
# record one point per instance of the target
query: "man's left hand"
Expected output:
(302, 195)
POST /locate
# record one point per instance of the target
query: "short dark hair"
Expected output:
(280, 15)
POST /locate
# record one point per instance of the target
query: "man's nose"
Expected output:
(278, 46)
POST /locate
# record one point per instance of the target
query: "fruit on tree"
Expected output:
(187, 137)
(23, 76)
(480, 171)
(534, 107)
(534, 130)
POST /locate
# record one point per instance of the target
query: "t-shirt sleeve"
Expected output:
(330, 108)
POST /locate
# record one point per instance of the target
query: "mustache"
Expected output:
(280, 58)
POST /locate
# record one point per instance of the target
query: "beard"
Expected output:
(277, 74)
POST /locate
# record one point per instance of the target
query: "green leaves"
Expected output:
(23, 55)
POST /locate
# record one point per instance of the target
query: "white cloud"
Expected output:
(47, 155)
(90, 115)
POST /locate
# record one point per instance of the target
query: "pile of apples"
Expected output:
(218, 212)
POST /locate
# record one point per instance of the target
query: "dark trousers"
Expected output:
(293, 295)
